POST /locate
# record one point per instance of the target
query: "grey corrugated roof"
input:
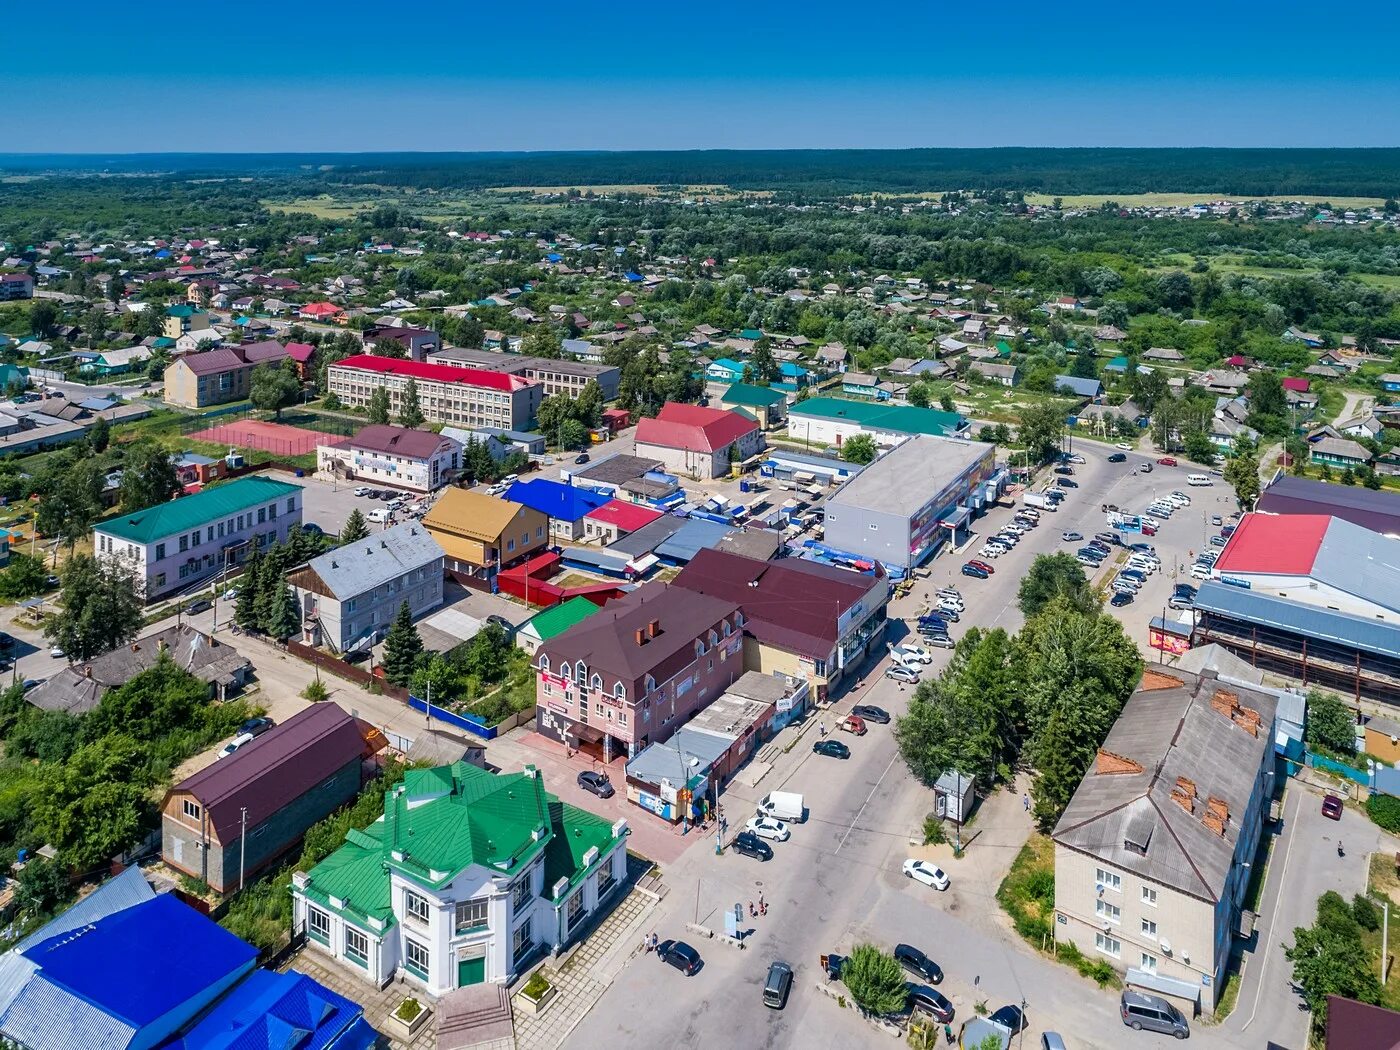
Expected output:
(1171, 733)
(1216, 658)
(1375, 636)
(118, 893)
(885, 485)
(649, 536)
(44, 1017)
(1360, 562)
(372, 562)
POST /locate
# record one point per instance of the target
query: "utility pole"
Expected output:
(242, 844)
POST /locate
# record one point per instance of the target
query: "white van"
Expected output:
(378, 515)
(1198, 479)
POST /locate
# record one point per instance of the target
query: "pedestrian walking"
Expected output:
(653, 941)
(1026, 803)
(948, 1033)
(821, 727)
(753, 912)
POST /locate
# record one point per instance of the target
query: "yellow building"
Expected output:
(480, 535)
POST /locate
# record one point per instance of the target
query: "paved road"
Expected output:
(838, 882)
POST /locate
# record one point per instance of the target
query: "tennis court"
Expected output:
(277, 438)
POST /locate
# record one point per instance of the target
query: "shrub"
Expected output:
(933, 831)
(1365, 912)
(315, 691)
(536, 986)
(408, 1010)
(1385, 811)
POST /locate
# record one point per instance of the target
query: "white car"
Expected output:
(1011, 526)
(234, 744)
(57, 652)
(1151, 522)
(900, 673)
(912, 654)
(378, 516)
(769, 828)
(1124, 446)
(1200, 572)
(951, 602)
(362, 491)
(928, 874)
(1074, 458)
(990, 551)
(1030, 512)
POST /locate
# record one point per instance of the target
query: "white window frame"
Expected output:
(1108, 912)
(318, 923)
(1148, 962)
(1109, 880)
(1107, 945)
(359, 956)
(192, 809)
(416, 903)
(1149, 896)
(417, 969)
(1149, 928)
(477, 905)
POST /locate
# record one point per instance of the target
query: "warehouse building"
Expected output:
(1378, 511)
(913, 500)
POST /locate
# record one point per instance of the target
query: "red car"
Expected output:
(1332, 807)
(983, 566)
(1166, 461)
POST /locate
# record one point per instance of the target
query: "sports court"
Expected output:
(277, 438)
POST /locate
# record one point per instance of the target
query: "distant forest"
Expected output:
(1306, 173)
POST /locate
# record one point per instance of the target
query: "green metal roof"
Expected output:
(553, 622)
(182, 310)
(748, 394)
(905, 419)
(189, 512)
(576, 831)
(355, 875)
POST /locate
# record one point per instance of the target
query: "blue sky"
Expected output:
(254, 76)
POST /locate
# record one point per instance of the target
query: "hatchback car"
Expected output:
(831, 749)
(777, 985)
(195, 608)
(916, 962)
(1166, 461)
(769, 828)
(928, 874)
(930, 1002)
(871, 713)
(750, 845)
(680, 955)
(582, 457)
(597, 783)
(1146, 468)
(903, 674)
(981, 565)
(1120, 599)
(1332, 807)
(975, 572)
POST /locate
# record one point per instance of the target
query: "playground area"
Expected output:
(277, 438)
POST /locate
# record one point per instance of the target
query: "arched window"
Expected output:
(739, 619)
(714, 639)
(596, 682)
(580, 673)
(544, 663)
(651, 684)
(564, 670)
(699, 647)
(620, 692)
(727, 629)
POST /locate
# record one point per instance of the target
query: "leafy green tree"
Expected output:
(99, 435)
(859, 448)
(435, 678)
(43, 316)
(71, 503)
(1040, 431)
(487, 656)
(1331, 958)
(284, 617)
(588, 406)
(946, 402)
(402, 647)
(542, 341)
(410, 412)
(1330, 723)
(919, 395)
(1242, 471)
(41, 887)
(1200, 449)
(23, 578)
(148, 476)
(765, 369)
(1054, 576)
(355, 528)
(274, 386)
(101, 608)
(875, 980)
(378, 409)
(45, 736)
(161, 700)
(96, 804)
(573, 434)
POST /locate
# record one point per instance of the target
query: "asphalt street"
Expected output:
(837, 881)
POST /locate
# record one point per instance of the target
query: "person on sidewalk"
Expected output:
(1026, 802)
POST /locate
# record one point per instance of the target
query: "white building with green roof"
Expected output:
(553, 621)
(466, 876)
(765, 404)
(173, 546)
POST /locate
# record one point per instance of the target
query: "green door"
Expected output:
(470, 971)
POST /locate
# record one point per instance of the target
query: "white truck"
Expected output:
(1038, 500)
(785, 805)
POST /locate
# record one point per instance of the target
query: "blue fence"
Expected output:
(467, 722)
(1341, 769)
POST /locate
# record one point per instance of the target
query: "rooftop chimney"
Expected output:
(641, 636)
(1216, 815)
(653, 628)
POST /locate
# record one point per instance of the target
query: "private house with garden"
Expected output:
(466, 877)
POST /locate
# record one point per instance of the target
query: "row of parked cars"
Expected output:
(1002, 542)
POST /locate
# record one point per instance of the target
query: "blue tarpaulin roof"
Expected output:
(565, 502)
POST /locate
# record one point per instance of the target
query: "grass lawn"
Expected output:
(1239, 264)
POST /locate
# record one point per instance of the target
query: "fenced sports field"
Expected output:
(277, 438)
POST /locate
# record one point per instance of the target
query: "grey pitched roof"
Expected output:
(371, 562)
(1360, 562)
(1172, 733)
(1327, 625)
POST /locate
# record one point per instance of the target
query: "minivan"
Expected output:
(777, 986)
(1153, 1013)
(1198, 479)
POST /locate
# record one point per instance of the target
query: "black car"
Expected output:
(1066, 483)
(255, 726)
(1009, 1017)
(777, 985)
(831, 749)
(871, 713)
(917, 962)
(313, 528)
(680, 955)
(1066, 471)
(1183, 590)
(598, 783)
(1118, 457)
(582, 457)
(929, 1002)
(1120, 599)
(750, 845)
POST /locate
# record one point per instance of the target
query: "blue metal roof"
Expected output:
(1082, 387)
(1343, 629)
(557, 500)
(272, 1011)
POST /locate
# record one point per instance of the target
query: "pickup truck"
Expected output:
(785, 805)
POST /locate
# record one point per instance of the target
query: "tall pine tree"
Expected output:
(356, 528)
(284, 618)
(249, 590)
(410, 412)
(402, 648)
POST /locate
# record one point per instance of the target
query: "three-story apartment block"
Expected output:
(173, 546)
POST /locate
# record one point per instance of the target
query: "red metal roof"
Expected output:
(694, 428)
(441, 373)
(627, 516)
(300, 352)
(1300, 385)
(1280, 544)
(320, 309)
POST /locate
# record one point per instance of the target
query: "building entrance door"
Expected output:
(471, 971)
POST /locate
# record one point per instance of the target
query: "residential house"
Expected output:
(863, 384)
(633, 673)
(215, 377)
(1359, 426)
(350, 596)
(1154, 854)
(78, 688)
(1338, 452)
(237, 816)
(1075, 386)
(191, 342)
(698, 442)
(831, 357)
(324, 312)
(480, 535)
(174, 545)
(1006, 375)
(1390, 382)
(15, 286)
(124, 968)
(470, 397)
(615, 519)
(289, 1010)
(415, 460)
(465, 879)
(765, 404)
(182, 318)
(549, 623)
(1167, 354)
(725, 370)
(565, 506)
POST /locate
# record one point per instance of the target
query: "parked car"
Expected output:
(982, 565)
(1146, 468)
(1120, 599)
(680, 955)
(750, 845)
(57, 652)
(928, 874)
(1117, 457)
(1064, 470)
(256, 726)
(195, 608)
(769, 828)
(831, 749)
(1177, 601)
(1151, 1012)
(1218, 541)
(972, 570)
(233, 745)
(871, 713)
(916, 962)
(930, 1002)
(900, 673)
(1067, 483)
(1200, 572)
(362, 490)
(378, 516)
(1087, 561)
(1071, 537)
(853, 724)
(939, 641)
(597, 783)
(1011, 1018)
(1332, 807)
(912, 654)
(777, 985)
(582, 457)
(948, 592)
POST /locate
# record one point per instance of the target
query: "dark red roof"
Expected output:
(397, 441)
(692, 427)
(275, 769)
(1299, 385)
(1359, 1026)
(300, 352)
(794, 605)
(442, 373)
